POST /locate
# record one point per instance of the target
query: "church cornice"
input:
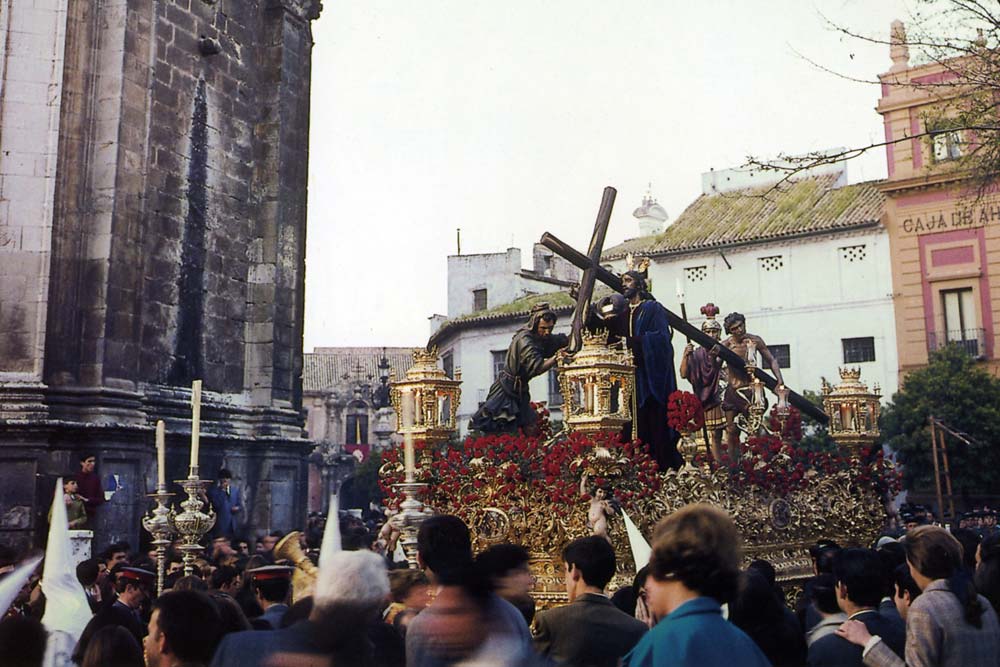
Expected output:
(303, 10)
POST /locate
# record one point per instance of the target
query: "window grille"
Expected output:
(858, 350)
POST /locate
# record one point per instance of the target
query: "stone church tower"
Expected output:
(153, 163)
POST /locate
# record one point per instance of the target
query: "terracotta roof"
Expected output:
(327, 367)
(799, 208)
(560, 302)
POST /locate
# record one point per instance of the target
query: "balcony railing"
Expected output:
(970, 341)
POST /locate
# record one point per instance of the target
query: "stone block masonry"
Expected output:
(153, 170)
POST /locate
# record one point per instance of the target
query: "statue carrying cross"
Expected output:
(647, 330)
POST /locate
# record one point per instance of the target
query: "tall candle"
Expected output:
(406, 410)
(195, 421)
(161, 453)
(409, 457)
(680, 291)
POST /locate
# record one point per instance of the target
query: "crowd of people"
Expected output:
(926, 597)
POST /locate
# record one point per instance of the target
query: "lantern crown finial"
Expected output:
(850, 374)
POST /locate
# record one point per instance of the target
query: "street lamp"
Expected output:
(382, 394)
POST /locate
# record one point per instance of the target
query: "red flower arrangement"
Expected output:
(684, 411)
(515, 471)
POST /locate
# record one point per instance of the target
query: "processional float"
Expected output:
(778, 521)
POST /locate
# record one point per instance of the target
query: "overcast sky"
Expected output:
(507, 118)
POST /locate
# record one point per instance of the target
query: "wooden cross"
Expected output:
(593, 271)
(593, 263)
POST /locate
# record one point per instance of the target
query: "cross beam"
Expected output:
(613, 281)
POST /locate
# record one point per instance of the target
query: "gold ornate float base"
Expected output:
(777, 529)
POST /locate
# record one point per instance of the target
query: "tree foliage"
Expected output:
(961, 393)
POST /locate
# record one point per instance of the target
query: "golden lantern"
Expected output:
(853, 410)
(426, 400)
(598, 385)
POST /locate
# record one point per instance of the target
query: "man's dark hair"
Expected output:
(732, 319)
(594, 557)
(356, 538)
(892, 556)
(86, 455)
(224, 473)
(87, 571)
(821, 590)
(903, 581)
(501, 559)
(273, 590)
(223, 575)
(191, 582)
(825, 559)
(445, 548)
(116, 548)
(22, 641)
(860, 571)
(191, 624)
(765, 568)
(969, 539)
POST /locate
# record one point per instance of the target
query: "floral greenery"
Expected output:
(684, 411)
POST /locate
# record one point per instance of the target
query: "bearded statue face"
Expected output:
(631, 285)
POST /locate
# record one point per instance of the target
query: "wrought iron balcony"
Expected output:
(970, 341)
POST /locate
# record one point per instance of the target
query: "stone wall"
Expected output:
(159, 239)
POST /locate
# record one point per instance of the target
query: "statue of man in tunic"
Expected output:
(703, 369)
(738, 394)
(533, 351)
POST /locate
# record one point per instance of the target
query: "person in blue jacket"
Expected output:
(693, 570)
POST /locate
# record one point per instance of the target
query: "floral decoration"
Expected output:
(684, 411)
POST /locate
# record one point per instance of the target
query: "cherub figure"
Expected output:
(391, 531)
(602, 507)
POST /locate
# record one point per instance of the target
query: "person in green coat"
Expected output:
(76, 511)
(693, 570)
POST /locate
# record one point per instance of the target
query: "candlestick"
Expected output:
(159, 524)
(195, 424)
(192, 523)
(161, 454)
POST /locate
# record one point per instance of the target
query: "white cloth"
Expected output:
(66, 607)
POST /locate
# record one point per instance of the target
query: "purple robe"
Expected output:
(703, 370)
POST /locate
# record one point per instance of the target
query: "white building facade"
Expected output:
(808, 265)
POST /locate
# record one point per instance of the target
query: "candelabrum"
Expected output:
(159, 524)
(411, 515)
(192, 524)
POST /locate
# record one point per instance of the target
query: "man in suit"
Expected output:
(590, 631)
(133, 586)
(225, 500)
(183, 630)
(860, 581)
(271, 585)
